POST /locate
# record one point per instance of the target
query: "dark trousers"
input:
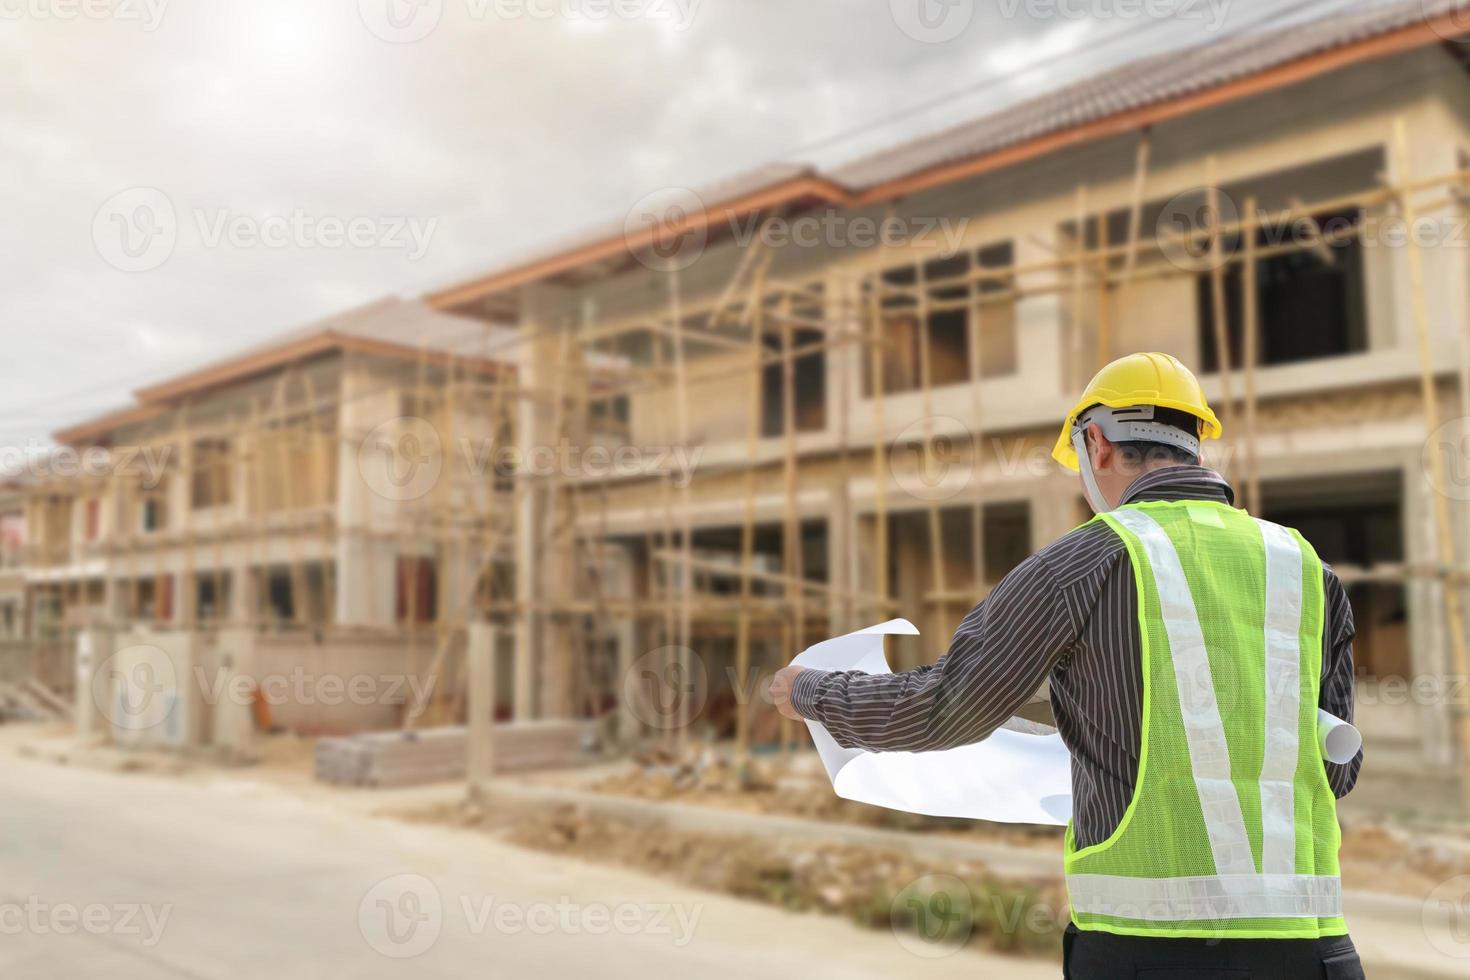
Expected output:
(1104, 956)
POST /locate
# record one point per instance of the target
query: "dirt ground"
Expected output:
(875, 888)
(1390, 859)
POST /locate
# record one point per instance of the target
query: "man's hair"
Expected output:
(1138, 452)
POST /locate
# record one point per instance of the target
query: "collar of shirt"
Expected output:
(1182, 482)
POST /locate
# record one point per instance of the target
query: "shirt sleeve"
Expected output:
(1003, 650)
(1337, 674)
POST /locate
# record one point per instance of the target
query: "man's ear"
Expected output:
(1099, 447)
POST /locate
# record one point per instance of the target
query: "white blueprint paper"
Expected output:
(1010, 777)
(1336, 739)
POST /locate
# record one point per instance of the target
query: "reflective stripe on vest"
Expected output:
(1207, 897)
(1209, 754)
(1283, 699)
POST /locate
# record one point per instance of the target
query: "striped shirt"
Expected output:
(1067, 614)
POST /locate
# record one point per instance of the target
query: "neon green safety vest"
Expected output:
(1232, 830)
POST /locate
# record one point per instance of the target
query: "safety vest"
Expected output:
(1232, 829)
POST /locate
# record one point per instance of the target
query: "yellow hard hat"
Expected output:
(1139, 379)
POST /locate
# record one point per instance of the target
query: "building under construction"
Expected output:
(799, 402)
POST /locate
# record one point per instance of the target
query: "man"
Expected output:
(1188, 647)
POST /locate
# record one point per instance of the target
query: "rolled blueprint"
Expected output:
(1338, 740)
(1012, 776)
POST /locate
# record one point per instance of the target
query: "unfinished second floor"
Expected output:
(298, 440)
(1310, 233)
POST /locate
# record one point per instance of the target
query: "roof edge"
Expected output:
(155, 400)
(810, 183)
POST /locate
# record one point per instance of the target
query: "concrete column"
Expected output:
(480, 709)
(232, 721)
(1429, 642)
(524, 674)
(1040, 341)
(527, 526)
(544, 573)
(840, 562)
(625, 636)
(93, 646)
(863, 548)
(185, 597)
(109, 595)
(366, 565)
(242, 592)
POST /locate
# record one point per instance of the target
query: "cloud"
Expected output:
(506, 132)
(1013, 57)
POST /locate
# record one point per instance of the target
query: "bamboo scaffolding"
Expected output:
(1135, 208)
(1221, 330)
(1104, 297)
(1251, 328)
(843, 487)
(1443, 527)
(737, 319)
(686, 529)
(321, 494)
(754, 310)
(1078, 287)
(975, 325)
(880, 475)
(791, 549)
(926, 386)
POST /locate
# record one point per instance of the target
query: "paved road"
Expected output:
(134, 876)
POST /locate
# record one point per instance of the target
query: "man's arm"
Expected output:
(1002, 651)
(1337, 674)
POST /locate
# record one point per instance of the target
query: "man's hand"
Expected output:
(781, 687)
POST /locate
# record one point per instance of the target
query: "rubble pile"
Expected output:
(1378, 858)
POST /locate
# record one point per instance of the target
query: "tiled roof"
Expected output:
(1144, 82)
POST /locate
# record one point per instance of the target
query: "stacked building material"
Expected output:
(19, 704)
(388, 759)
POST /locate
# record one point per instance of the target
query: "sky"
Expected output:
(188, 177)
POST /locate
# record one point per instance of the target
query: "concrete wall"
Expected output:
(339, 685)
(16, 658)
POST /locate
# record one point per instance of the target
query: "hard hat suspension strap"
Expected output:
(1090, 489)
(1136, 424)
